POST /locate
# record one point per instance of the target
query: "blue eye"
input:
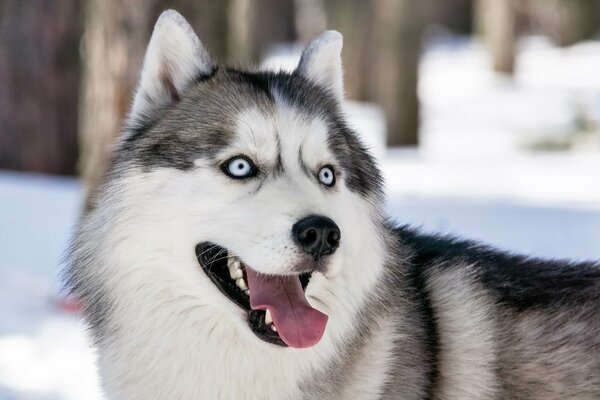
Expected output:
(239, 167)
(326, 176)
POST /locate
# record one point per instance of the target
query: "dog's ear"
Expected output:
(174, 58)
(321, 62)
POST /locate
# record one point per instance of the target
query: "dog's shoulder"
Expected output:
(517, 281)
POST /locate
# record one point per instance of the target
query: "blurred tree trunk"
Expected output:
(310, 19)
(355, 20)
(115, 36)
(209, 18)
(39, 80)
(257, 25)
(398, 28)
(496, 22)
(565, 22)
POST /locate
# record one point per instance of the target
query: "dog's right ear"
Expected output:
(321, 62)
(174, 58)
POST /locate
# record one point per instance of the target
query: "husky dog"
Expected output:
(239, 250)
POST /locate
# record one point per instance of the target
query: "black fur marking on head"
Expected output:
(279, 167)
(516, 281)
(206, 77)
(199, 125)
(203, 119)
(302, 164)
(143, 123)
(362, 174)
(138, 129)
(259, 80)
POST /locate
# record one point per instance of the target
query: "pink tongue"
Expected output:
(298, 324)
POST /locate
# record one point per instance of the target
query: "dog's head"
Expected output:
(249, 185)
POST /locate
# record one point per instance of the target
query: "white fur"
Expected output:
(171, 334)
(321, 62)
(367, 380)
(174, 54)
(466, 322)
(175, 334)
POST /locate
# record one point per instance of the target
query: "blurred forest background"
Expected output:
(68, 67)
(484, 116)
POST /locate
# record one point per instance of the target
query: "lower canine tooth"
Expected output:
(273, 328)
(268, 318)
(241, 284)
(233, 264)
(236, 273)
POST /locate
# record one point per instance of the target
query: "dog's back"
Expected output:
(506, 326)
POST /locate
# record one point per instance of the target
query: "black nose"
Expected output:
(317, 235)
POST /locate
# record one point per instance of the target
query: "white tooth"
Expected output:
(235, 270)
(268, 318)
(231, 266)
(237, 273)
(247, 292)
(241, 284)
(273, 328)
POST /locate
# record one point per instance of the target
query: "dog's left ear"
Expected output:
(174, 58)
(321, 62)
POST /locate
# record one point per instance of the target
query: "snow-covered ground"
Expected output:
(44, 352)
(474, 175)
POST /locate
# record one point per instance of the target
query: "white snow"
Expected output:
(473, 173)
(473, 176)
(44, 353)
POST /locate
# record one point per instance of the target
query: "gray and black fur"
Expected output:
(545, 313)
(461, 320)
(149, 145)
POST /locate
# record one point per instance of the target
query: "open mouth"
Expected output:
(278, 311)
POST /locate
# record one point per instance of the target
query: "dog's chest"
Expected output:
(209, 366)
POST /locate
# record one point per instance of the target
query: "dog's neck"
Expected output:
(164, 341)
